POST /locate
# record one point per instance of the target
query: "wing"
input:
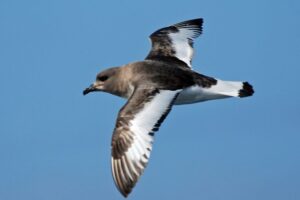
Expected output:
(133, 135)
(176, 41)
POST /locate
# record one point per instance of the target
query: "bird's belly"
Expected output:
(194, 94)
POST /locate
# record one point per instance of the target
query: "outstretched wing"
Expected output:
(176, 41)
(133, 135)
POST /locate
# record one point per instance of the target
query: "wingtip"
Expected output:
(125, 195)
(197, 21)
(123, 187)
(193, 21)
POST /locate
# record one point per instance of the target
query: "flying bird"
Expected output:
(152, 86)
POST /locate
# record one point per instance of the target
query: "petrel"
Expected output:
(152, 86)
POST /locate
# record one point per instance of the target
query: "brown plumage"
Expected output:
(152, 87)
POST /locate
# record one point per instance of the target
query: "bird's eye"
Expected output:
(102, 78)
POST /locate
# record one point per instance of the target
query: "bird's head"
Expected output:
(105, 81)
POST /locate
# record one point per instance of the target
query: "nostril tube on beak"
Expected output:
(86, 91)
(89, 89)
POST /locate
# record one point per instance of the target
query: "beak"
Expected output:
(91, 88)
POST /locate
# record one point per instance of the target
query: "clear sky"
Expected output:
(55, 142)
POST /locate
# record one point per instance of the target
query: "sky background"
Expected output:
(55, 142)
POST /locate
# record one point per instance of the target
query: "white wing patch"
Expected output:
(182, 43)
(145, 121)
(176, 41)
(130, 165)
(183, 51)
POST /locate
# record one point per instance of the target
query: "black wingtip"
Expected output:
(246, 91)
(125, 195)
(193, 22)
(197, 21)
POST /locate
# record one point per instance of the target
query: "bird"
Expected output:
(152, 86)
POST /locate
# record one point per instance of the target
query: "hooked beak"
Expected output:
(91, 88)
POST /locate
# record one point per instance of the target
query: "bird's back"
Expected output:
(161, 74)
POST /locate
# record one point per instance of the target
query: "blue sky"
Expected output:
(55, 143)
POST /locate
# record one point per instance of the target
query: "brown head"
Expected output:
(105, 81)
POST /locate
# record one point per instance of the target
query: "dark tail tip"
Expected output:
(246, 91)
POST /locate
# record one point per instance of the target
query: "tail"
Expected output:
(246, 91)
(218, 90)
(233, 88)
